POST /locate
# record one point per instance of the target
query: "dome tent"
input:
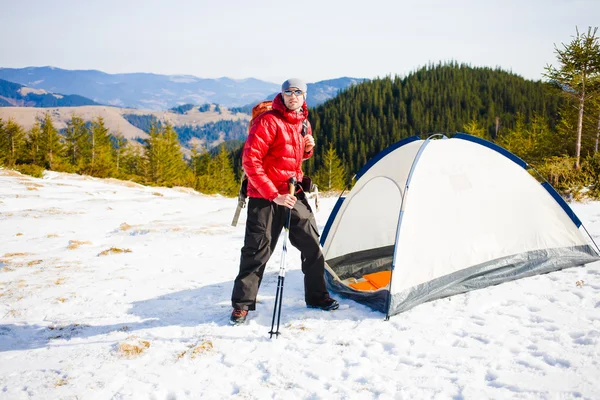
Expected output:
(432, 218)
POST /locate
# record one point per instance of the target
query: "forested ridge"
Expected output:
(553, 124)
(366, 118)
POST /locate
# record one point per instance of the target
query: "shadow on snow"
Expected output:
(208, 306)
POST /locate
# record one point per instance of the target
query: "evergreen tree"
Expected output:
(120, 145)
(132, 163)
(99, 150)
(164, 159)
(204, 171)
(579, 64)
(473, 128)
(76, 136)
(50, 142)
(12, 141)
(331, 176)
(33, 150)
(223, 175)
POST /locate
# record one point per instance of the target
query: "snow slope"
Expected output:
(149, 318)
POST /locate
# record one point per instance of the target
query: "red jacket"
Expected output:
(274, 151)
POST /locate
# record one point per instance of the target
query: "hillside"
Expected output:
(115, 117)
(16, 95)
(367, 117)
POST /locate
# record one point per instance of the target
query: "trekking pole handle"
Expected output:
(292, 183)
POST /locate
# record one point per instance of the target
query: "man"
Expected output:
(273, 153)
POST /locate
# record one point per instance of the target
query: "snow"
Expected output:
(151, 321)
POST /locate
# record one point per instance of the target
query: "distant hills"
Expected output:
(207, 127)
(161, 92)
(16, 95)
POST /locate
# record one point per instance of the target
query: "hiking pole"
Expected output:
(281, 278)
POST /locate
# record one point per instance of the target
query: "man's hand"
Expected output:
(286, 200)
(309, 143)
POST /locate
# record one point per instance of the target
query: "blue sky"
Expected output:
(273, 40)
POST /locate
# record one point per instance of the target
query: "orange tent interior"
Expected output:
(373, 281)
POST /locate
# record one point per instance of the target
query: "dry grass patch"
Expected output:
(124, 226)
(133, 347)
(61, 382)
(157, 194)
(123, 183)
(197, 350)
(187, 190)
(12, 255)
(9, 172)
(59, 281)
(52, 235)
(73, 244)
(31, 188)
(33, 184)
(61, 299)
(113, 250)
(299, 327)
(34, 262)
(19, 234)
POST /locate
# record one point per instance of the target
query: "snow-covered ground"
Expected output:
(111, 290)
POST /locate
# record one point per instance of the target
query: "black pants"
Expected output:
(263, 226)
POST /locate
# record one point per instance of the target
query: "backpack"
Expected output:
(306, 184)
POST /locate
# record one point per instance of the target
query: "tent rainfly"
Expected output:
(432, 218)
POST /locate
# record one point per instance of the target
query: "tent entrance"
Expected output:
(370, 282)
(366, 270)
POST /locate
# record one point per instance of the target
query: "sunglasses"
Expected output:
(297, 92)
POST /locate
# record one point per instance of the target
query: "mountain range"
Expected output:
(160, 92)
(16, 95)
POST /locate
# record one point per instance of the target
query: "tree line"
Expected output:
(91, 149)
(552, 124)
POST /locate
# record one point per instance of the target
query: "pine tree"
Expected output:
(223, 175)
(50, 142)
(579, 63)
(204, 171)
(132, 163)
(119, 149)
(164, 159)
(12, 141)
(76, 136)
(473, 128)
(331, 176)
(33, 151)
(100, 151)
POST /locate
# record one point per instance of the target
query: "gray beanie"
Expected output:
(293, 82)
